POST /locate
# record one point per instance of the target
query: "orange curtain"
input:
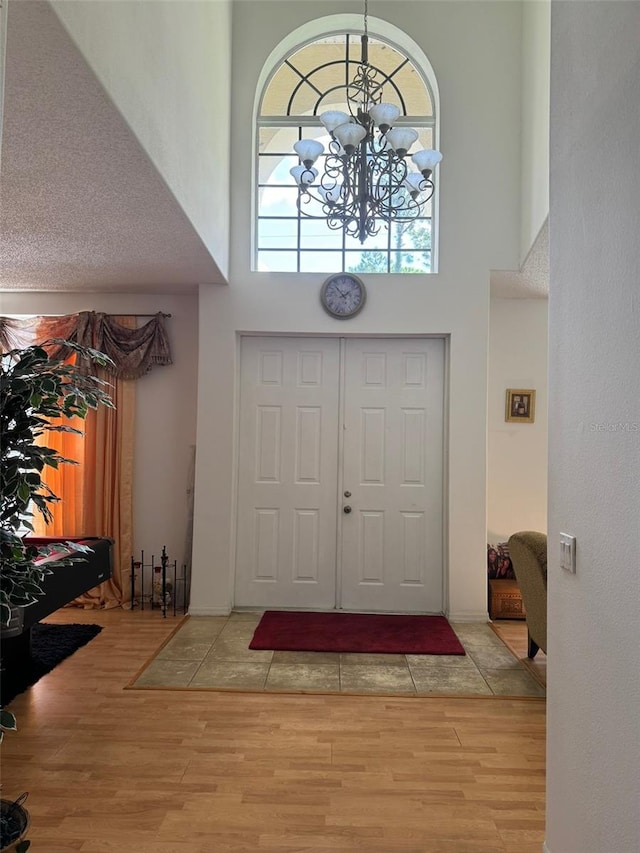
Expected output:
(66, 480)
(97, 493)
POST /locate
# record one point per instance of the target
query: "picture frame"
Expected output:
(520, 405)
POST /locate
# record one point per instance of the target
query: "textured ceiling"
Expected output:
(83, 207)
(532, 280)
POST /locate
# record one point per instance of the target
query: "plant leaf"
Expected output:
(7, 720)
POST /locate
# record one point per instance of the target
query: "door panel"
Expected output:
(287, 476)
(391, 541)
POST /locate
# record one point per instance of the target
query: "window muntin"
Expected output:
(311, 80)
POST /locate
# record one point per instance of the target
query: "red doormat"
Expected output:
(283, 630)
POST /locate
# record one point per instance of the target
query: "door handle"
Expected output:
(346, 509)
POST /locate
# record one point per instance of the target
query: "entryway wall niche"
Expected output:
(517, 452)
(340, 473)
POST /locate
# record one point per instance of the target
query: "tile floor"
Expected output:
(212, 652)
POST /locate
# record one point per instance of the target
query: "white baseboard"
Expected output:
(545, 848)
(209, 611)
(468, 616)
(456, 616)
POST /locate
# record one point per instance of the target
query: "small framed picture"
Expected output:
(521, 405)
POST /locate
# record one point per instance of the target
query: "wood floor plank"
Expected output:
(110, 770)
(513, 633)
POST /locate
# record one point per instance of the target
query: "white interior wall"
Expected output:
(517, 452)
(593, 754)
(166, 66)
(474, 49)
(165, 410)
(536, 64)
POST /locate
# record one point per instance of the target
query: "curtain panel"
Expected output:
(134, 351)
(97, 493)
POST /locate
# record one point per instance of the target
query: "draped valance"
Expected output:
(133, 351)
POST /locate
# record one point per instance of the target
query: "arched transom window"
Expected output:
(310, 81)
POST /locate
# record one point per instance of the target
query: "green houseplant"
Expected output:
(35, 388)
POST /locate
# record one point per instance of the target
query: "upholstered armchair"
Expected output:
(528, 551)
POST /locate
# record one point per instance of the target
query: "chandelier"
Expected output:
(367, 179)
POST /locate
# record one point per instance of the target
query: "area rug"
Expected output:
(50, 645)
(282, 630)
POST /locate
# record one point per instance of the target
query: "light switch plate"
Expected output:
(568, 552)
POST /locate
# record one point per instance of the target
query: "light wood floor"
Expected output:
(110, 770)
(513, 633)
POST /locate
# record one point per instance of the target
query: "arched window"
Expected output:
(311, 80)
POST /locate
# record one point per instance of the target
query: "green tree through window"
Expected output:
(411, 243)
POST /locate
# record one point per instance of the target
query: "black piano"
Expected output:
(59, 588)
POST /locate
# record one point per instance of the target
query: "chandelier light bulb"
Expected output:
(303, 176)
(334, 118)
(308, 150)
(401, 139)
(350, 135)
(415, 183)
(427, 159)
(384, 115)
(332, 195)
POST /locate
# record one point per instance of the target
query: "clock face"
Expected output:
(343, 295)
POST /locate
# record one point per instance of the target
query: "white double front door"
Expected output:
(340, 478)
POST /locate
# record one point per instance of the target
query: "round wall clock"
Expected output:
(343, 295)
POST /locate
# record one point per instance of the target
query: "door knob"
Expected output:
(347, 494)
(346, 509)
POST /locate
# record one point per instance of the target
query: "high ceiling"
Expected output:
(83, 207)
